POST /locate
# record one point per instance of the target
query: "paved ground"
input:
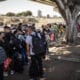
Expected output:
(58, 67)
(54, 70)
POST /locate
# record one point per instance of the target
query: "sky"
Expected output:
(25, 5)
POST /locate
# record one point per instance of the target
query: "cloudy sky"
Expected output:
(24, 5)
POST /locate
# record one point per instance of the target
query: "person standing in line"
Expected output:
(36, 68)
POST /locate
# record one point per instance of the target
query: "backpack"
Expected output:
(12, 44)
(38, 44)
(2, 55)
(16, 43)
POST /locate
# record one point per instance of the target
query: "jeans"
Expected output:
(1, 71)
(36, 68)
(24, 55)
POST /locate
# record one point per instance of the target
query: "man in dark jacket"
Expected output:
(8, 41)
(9, 46)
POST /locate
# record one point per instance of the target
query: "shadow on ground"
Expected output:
(54, 70)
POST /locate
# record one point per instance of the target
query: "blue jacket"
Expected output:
(2, 55)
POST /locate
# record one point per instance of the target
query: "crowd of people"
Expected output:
(54, 32)
(24, 42)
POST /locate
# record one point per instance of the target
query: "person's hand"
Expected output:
(29, 57)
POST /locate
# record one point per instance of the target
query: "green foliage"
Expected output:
(27, 13)
(10, 14)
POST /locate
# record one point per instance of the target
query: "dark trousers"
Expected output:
(36, 68)
(24, 56)
(1, 71)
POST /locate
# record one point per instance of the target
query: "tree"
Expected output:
(10, 14)
(69, 10)
(27, 13)
(19, 14)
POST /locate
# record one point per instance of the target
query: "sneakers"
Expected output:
(42, 78)
(12, 72)
(31, 79)
(38, 79)
(5, 74)
(34, 79)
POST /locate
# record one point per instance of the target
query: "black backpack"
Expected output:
(38, 44)
(15, 42)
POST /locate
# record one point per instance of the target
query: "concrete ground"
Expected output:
(54, 69)
(62, 63)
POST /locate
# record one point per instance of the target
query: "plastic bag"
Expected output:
(7, 62)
